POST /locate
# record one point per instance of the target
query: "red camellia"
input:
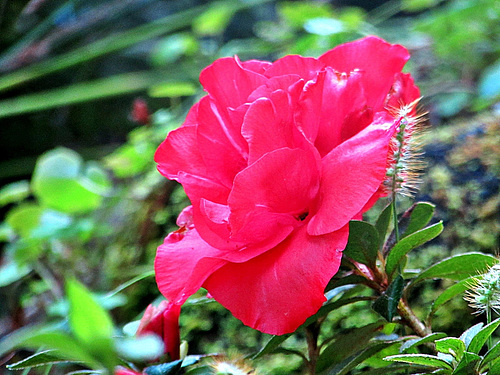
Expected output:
(276, 160)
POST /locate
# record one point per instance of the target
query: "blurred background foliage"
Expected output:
(88, 89)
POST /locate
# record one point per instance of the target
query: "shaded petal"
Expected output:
(268, 126)
(256, 66)
(351, 174)
(236, 85)
(183, 263)
(217, 144)
(290, 83)
(305, 67)
(278, 290)
(284, 181)
(180, 152)
(327, 103)
(403, 91)
(378, 60)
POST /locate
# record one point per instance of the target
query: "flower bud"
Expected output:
(163, 321)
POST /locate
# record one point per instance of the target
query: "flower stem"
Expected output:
(312, 334)
(411, 319)
(395, 212)
(488, 321)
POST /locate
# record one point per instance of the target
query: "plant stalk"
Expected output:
(411, 320)
(312, 334)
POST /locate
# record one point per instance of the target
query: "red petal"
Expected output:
(218, 144)
(351, 174)
(180, 152)
(403, 91)
(284, 181)
(256, 66)
(305, 67)
(378, 60)
(326, 104)
(229, 83)
(183, 263)
(278, 290)
(268, 125)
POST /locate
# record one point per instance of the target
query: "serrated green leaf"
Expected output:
(405, 245)
(411, 344)
(90, 323)
(481, 337)
(346, 344)
(451, 345)
(491, 355)
(469, 334)
(38, 359)
(14, 192)
(170, 368)
(467, 365)
(362, 245)
(420, 216)
(458, 267)
(419, 359)
(382, 224)
(387, 304)
(451, 292)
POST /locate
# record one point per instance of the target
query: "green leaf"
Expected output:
(170, 368)
(457, 267)
(346, 344)
(64, 346)
(489, 82)
(90, 323)
(60, 182)
(420, 359)
(172, 90)
(451, 345)
(481, 337)
(214, 20)
(387, 304)
(403, 247)
(329, 307)
(272, 345)
(383, 222)
(38, 359)
(420, 216)
(467, 365)
(469, 334)
(411, 344)
(348, 364)
(11, 272)
(363, 243)
(491, 355)
(14, 192)
(398, 370)
(451, 292)
(24, 218)
(139, 349)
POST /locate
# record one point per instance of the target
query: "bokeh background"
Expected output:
(88, 89)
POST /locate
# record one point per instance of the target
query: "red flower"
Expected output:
(276, 160)
(164, 322)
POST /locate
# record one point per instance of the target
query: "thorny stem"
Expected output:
(312, 333)
(395, 211)
(488, 321)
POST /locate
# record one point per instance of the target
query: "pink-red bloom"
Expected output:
(163, 321)
(276, 160)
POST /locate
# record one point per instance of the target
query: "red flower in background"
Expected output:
(276, 160)
(164, 322)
